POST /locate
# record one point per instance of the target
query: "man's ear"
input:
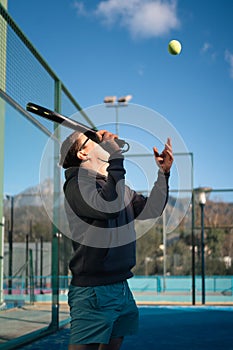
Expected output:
(82, 155)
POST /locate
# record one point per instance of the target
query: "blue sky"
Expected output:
(118, 47)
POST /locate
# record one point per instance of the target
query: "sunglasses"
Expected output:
(82, 146)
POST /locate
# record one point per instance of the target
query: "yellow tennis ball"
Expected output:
(174, 47)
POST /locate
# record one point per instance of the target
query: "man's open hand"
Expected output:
(164, 160)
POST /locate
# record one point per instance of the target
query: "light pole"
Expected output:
(164, 250)
(10, 242)
(202, 193)
(113, 101)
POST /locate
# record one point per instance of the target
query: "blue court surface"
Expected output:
(168, 327)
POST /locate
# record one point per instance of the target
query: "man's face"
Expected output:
(93, 151)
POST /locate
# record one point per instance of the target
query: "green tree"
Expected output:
(148, 250)
(214, 242)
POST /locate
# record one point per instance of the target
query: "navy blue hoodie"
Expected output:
(101, 212)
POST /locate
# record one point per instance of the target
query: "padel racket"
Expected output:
(70, 123)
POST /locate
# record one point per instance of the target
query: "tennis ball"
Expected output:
(174, 47)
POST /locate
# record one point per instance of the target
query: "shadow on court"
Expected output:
(168, 328)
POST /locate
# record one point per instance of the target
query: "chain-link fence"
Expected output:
(170, 260)
(26, 77)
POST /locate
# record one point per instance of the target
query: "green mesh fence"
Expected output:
(26, 77)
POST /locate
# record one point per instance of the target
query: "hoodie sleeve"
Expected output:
(152, 206)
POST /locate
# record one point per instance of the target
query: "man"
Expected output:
(101, 211)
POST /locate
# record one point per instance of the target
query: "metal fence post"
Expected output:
(1, 260)
(2, 130)
(32, 285)
(56, 207)
(41, 265)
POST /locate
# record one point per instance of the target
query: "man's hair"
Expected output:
(69, 149)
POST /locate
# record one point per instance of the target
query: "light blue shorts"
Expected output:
(101, 313)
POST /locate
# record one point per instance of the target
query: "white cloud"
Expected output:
(206, 47)
(142, 18)
(229, 59)
(80, 8)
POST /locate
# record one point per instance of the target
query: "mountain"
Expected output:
(33, 196)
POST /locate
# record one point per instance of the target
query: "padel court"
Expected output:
(168, 327)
